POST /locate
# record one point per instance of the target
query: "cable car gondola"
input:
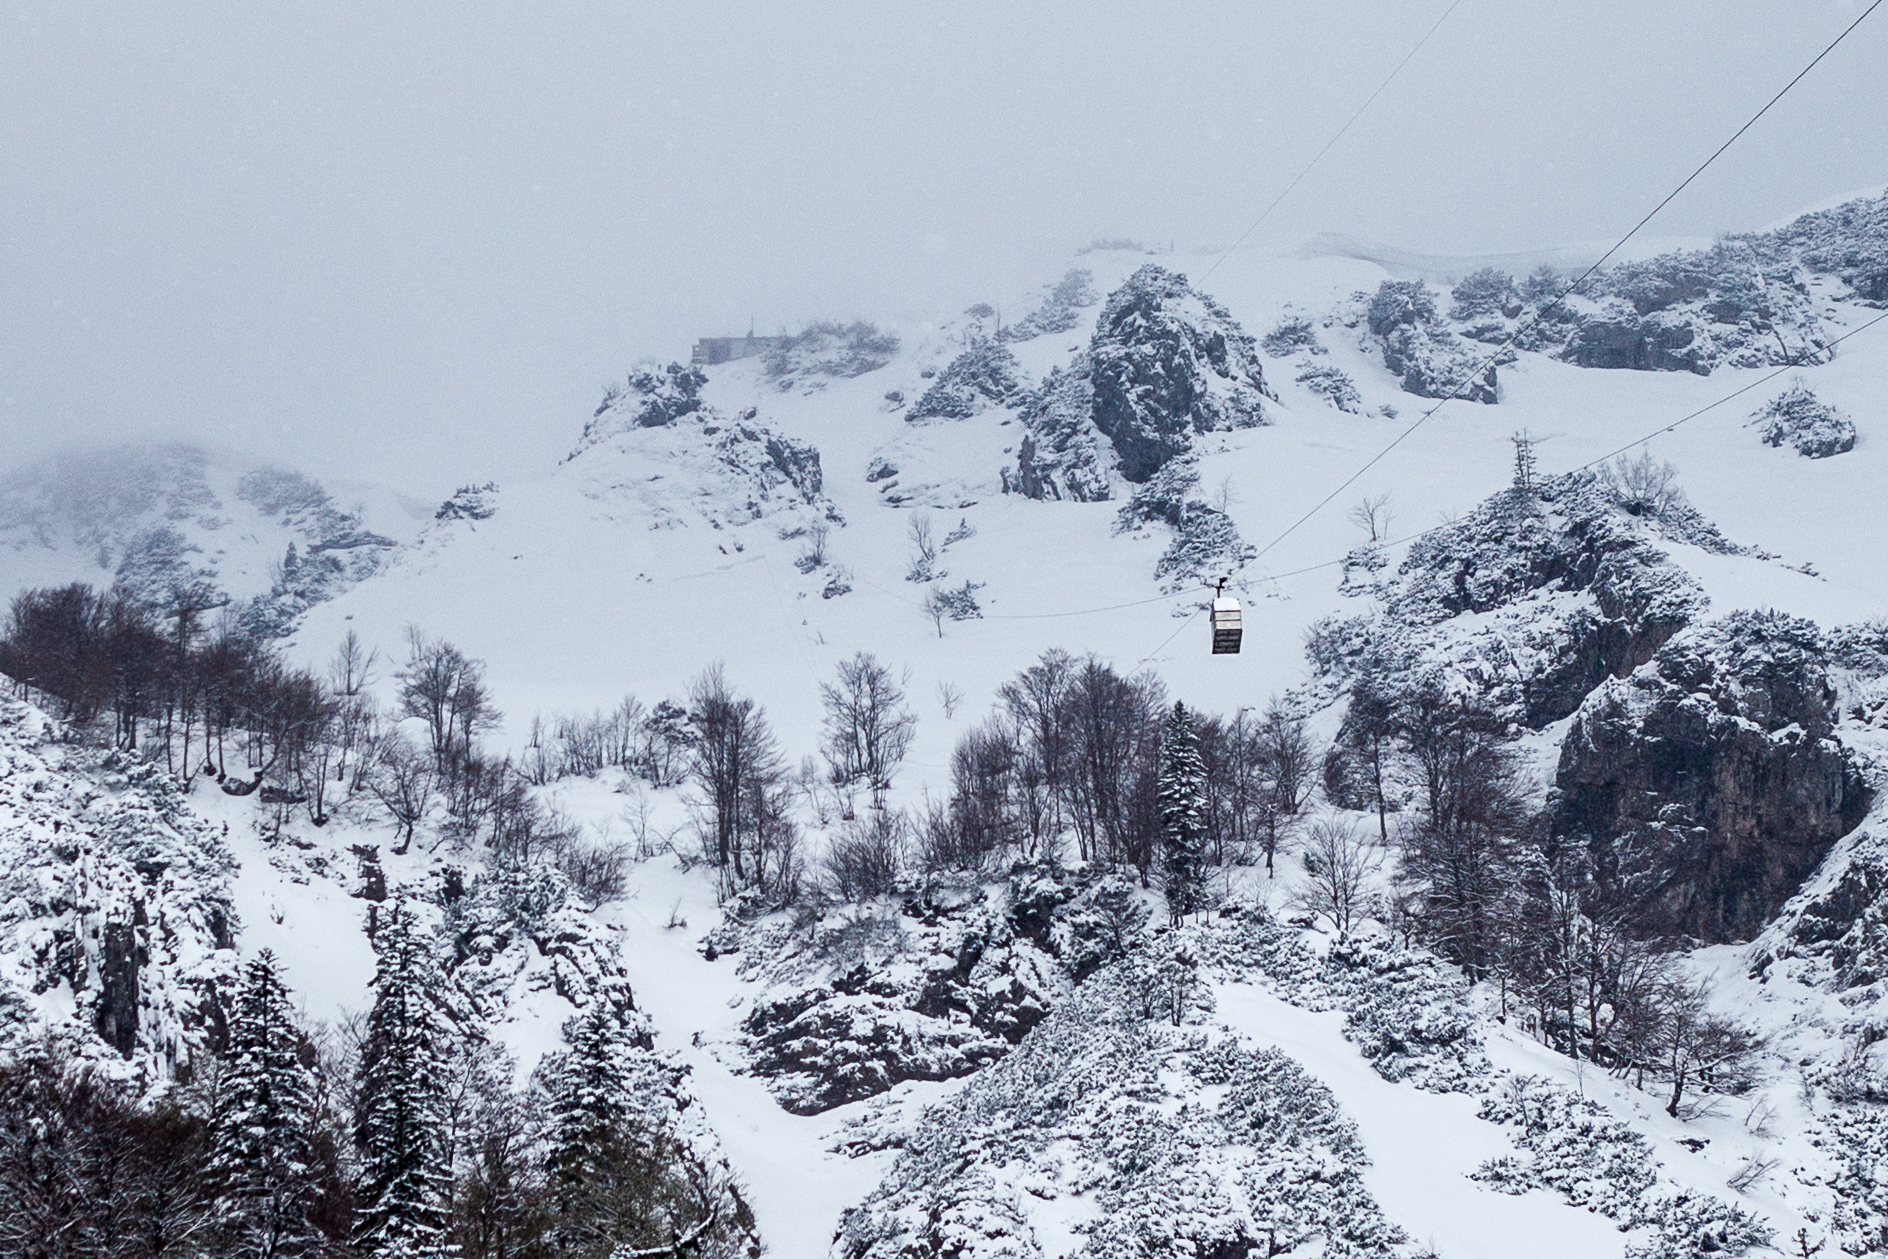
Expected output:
(1226, 626)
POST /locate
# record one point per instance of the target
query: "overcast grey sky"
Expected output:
(409, 241)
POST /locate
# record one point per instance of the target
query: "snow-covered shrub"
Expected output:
(1855, 1136)
(1407, 1011)
(1162, 498)
(1431, 361)
(1206, 546)
(1293, 334)
(1485, 294)
(470, 502)
(1571, 1146)
(1184, 1140)
(1332, 384)
(829, 349)
(1060, 310)
(959, 604)
(984, 375)
(1801, 419)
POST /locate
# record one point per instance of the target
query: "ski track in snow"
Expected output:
(1422, 1146)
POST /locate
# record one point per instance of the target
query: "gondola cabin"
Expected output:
(1226, 627)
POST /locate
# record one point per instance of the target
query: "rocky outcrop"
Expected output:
(1165, 362)
(933, 988)
(116, 924)
(1709, 784)
(1522, 606)
(1168, 361)
(1419, 348)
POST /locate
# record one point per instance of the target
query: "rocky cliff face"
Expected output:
(1165, 362)
(116, 925)
(1710, 783)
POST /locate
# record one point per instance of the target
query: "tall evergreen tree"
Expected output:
(1181, 800)
(262, 1135)
(618, 1178)
(399, 1118)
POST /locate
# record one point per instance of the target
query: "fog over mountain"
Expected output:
(413, 237)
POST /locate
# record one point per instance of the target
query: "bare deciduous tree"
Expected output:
(446, 690)
(1339, 864)
(402, 780)
(1643, 485)
(736, 764)
(1374, 516)
(868, 728)
(923, 549)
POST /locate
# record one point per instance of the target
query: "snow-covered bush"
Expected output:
(1572, 1146)
(1163, 1138)
(1060, 310)
(984, 375)
(470, 502)
(1485, 294)
(1332, 384)
(1293, 334)
(1799, 418)
(829, 349)
(1206, 546)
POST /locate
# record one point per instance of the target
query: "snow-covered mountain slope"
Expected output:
(959, 498)
(155, 519)
(630, 567)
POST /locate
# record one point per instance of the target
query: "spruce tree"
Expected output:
(262, 1134)
(400, 1115)
(1181, 800)
(597, 1148)
(618, 1177)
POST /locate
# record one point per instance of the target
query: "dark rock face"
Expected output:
(1845, 922)
(798, 462)
(1636, 345)
(120, 957)
(1062, 455)
(1708, 783)
(1167, 361)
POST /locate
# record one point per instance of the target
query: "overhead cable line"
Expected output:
(1528, 324)
(1329, 144)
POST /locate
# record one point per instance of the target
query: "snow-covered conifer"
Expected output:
(1181, 795)
(399, 1118)
(261, 1157)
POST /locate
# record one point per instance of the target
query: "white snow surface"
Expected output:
(1422, 1145)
